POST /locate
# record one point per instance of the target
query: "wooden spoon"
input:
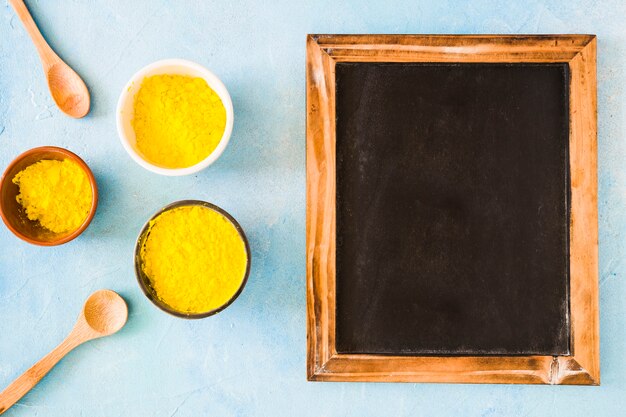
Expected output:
(103, 314)
(67, 88)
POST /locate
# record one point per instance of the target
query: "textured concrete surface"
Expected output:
(250, 359)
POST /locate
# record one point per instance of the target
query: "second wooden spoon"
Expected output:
(103, 314)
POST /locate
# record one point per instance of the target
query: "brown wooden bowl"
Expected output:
(14, 215)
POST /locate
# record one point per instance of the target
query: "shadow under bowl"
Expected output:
(144, 281)
(14, 215)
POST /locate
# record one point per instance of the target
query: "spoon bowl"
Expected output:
(105, 312)
(68, 90)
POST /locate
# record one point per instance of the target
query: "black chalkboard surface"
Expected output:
(452, 209)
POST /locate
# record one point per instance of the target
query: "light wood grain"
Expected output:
(320, 228)
(323, 362)
(452, 48)
(66, 87)
(440, 369)
(583, 367)
(103, 314)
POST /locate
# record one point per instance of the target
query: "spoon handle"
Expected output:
(25, 382)
(46, 53)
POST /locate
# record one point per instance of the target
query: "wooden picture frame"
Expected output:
(323, 362)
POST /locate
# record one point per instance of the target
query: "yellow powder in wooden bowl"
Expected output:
(194, 258)
(57, 194)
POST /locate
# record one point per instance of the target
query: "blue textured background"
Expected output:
(250, 359)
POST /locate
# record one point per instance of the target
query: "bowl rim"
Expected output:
(212, 80)
(139, 273)
(94, 192)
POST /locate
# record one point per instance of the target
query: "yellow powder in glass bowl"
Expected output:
(57, 194)
(178, 120)
(194, 258)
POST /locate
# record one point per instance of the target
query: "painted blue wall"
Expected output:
(250, 359)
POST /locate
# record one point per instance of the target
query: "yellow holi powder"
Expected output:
(178, 120)
(57, 194)
(194, 258)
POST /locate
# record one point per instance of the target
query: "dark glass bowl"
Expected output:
(144, 282)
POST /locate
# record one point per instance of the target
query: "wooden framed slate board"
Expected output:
(452, 209)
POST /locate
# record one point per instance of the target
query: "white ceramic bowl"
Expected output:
(125, 110)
